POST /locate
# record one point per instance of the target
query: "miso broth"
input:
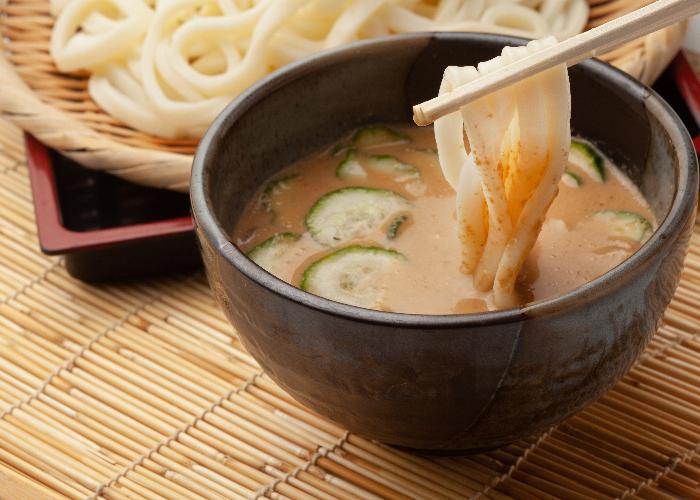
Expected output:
(371, 222)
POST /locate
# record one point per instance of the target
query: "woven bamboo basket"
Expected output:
(57, 109)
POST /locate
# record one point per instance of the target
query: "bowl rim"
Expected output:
(668, 231)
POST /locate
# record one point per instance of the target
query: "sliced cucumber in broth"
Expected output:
(272, 190)
(270, 253)
(350, 167)
(390, 165)
(355, 166)
(351, 275)
(585, 156)
(395, 226)
(627, 225)
(370, 137)
(572, 179)
(340, 148)
(352, 212)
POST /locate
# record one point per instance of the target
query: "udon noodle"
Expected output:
(518, 143)
(168, 67)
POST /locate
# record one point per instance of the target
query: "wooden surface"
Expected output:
(16, 486)
(143, 391)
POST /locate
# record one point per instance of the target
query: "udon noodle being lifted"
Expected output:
(507, 176)
(168, 67)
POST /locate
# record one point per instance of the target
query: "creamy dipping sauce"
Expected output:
(591, 227)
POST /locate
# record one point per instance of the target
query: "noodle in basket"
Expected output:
(168, 67)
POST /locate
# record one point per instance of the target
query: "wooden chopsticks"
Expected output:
(648, 19)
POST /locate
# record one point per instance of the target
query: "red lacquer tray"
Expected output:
(109, 229)
(689, 88)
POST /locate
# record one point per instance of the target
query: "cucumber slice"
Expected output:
(351, 275)
(390, 165)
(352, 212)
(272, 190)
(585, 156)
(393, 230)
(370, 137)
(572, 179)
(350, 167)
(269, 254)
(624, 224)
(340, 148)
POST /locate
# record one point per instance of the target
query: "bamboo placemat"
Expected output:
(143, 391)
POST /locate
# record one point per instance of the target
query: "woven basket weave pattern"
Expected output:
(57, 109)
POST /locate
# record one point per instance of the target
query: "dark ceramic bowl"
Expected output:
(461, 382)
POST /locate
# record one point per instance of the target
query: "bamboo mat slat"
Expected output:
(144, 391)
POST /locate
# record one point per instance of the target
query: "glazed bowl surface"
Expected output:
(460, 382)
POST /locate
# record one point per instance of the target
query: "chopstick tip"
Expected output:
(419, 117)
